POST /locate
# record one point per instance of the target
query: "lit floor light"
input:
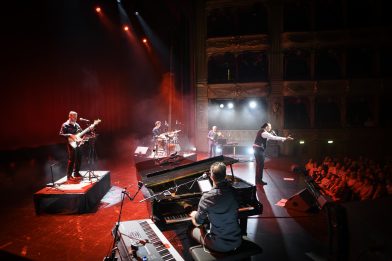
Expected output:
(230, 105)
(250, 151)
(221, 106)
(218, 150)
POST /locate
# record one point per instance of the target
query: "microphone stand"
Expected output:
(172, 188)
(140, 185)
(112, 256)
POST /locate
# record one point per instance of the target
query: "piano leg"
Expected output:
(243, 225)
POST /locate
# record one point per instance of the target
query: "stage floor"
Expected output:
(283, 235)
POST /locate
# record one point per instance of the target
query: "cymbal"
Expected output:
(169, 133)
(163, 135)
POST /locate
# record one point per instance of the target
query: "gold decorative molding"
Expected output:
(232, 91)
(236, 44)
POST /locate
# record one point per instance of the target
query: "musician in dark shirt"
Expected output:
(213, 136)
(220, 207)
(69, 129)
(156, 130)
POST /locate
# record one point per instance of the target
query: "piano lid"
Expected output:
(172, 170)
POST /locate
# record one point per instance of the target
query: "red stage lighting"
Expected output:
(144, 40)
(126, 28)
(98, 9)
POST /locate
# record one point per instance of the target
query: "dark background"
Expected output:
(59, 56)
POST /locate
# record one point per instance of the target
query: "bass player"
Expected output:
(70, 129)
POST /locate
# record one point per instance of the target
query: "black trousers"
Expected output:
(74, 159)
(260, 158)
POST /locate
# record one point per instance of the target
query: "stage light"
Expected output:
(221, 106)
(230, 105)
(136, 13)
(251, 150)
(301, 142)
(98, 9)
(194, 149)
(218, 150)
(252, 104)
(144, 40)
(126, 28)
(330, 141)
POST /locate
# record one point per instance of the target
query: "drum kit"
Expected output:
(167, 143)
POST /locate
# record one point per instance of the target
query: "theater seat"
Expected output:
(246, 250)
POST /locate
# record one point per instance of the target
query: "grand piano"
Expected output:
(172, 192)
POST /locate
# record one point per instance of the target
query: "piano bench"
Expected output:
(245, 251)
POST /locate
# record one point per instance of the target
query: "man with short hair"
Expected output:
(220, 207)
(69, 129)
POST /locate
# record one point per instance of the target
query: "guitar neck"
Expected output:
(85, 131)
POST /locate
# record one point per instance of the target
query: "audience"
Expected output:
(349, 179)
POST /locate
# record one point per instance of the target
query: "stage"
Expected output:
(73, 198)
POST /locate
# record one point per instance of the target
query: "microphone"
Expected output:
(199, 178)
(204, 176)
(83, 119)
(273, 133)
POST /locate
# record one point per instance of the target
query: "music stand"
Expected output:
(53, 185)
(92, 155)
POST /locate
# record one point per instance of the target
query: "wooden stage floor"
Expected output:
(283, 234)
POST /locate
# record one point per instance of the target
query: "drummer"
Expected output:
(156, 130)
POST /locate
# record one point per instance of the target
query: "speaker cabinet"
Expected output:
(141, 151)
(301, 201)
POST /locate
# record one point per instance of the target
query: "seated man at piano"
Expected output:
(220, 207)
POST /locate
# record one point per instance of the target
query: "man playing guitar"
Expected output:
(74, 133)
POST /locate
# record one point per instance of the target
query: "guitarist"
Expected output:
(69, 129)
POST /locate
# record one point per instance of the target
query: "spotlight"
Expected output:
(252, 104)
(221, 106)
(144, 40)
(194, 149)
(230, 105)
(250, 150)
(126, 28)
(98, 9)
(301, 142)
(330, 141)
(136, 13)
(218, 150)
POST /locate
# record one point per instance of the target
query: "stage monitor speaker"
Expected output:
(141, 151)
(301, 201)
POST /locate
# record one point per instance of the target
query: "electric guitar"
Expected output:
(78, 141)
